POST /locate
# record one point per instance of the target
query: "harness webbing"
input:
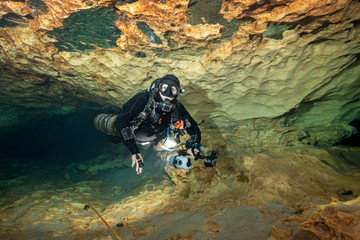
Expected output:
(149, 107)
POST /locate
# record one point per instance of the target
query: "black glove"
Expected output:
(209, 161)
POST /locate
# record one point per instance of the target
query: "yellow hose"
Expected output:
(92, 207)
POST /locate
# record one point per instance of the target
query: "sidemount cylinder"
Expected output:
(105, 123)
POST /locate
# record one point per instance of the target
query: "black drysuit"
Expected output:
(136, 104)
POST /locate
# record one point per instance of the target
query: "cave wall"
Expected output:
(283, 69)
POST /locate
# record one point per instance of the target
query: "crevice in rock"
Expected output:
(318, 41)
(149, 33)
(272, 7)
(303, 34)
(356, 23)
(354, 140)
(192, 3)
(120, 3)
(257, 5)
(276, 30)
(38, 5)
(322, 27)
(171, 43)
(140, 54)
(12, 20)
(247, 19)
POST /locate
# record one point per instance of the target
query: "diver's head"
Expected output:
(169, 87)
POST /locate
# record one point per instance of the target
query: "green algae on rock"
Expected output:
(84, 29)
(11, 20)
(208, 12)
(38, 5)
(275, 30)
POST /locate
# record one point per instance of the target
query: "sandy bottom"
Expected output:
(38, 204)
(47, 207)
(235, 223)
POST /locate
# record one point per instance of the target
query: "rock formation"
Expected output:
(293, 61)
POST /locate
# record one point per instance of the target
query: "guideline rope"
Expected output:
(92, 207)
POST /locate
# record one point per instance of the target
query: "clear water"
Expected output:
(33, 155)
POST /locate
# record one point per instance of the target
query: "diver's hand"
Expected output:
(139, 164)
(191, 153)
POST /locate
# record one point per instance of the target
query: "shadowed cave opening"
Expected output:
(70, 143)
(353, 140)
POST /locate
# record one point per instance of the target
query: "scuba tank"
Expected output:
(105, 123)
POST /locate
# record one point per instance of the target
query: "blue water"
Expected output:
(30, 156)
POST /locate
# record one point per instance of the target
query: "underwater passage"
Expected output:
(204, 198)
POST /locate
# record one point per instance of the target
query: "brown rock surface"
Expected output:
(161, 18)
(333, 222)
(338, 220)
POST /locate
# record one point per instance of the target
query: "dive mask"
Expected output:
(169, 90)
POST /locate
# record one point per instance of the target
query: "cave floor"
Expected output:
(39, 203)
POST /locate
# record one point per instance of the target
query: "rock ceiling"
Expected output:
(252, 64)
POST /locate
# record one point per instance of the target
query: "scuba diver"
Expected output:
(151, 116)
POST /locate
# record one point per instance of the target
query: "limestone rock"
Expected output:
(45, 15)
(294, 61)
(329, 221)
(334, 222)
(297, 177)
(280, 11)
(155, 24)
